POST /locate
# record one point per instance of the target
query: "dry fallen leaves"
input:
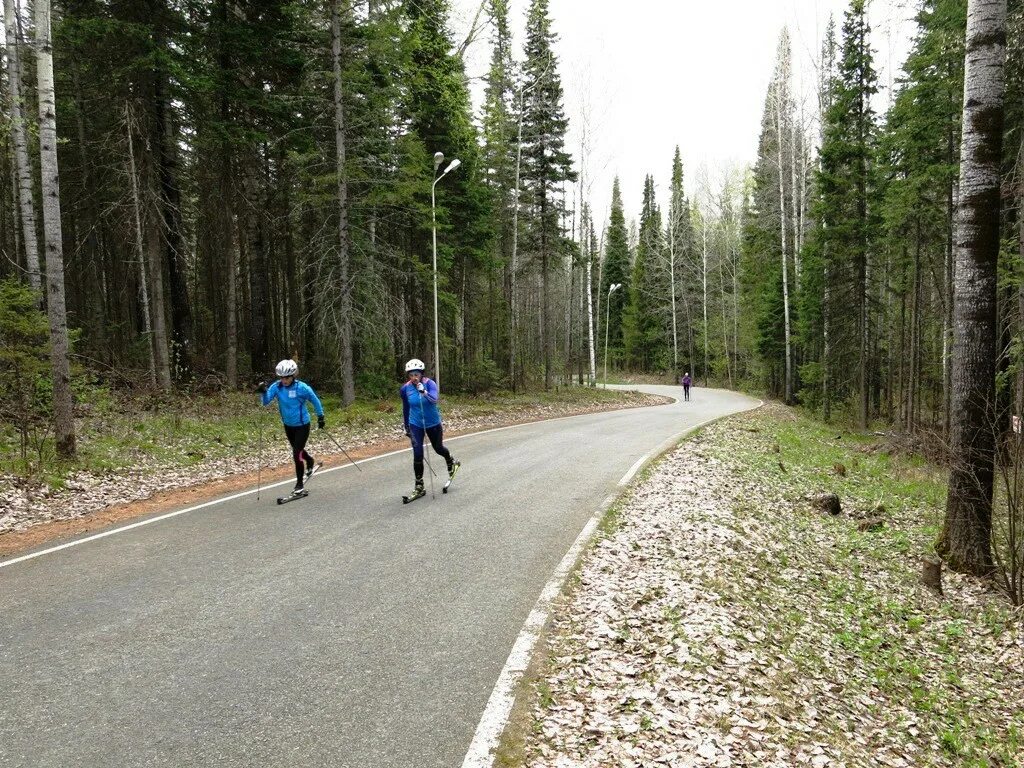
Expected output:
(711, 628)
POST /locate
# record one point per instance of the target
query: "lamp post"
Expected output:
(607, 316)
(438, 159)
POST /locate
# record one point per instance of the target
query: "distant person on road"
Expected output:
(421, 416)
(292, 396)
(686, 381)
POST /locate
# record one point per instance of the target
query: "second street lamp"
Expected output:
(438, 159)
(608, 313)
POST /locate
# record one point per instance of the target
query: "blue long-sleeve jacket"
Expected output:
(430, 415)
(291, 402)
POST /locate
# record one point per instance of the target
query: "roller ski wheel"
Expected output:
(299, 494)
(419, 493)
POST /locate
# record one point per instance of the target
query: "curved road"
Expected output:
(344, 629)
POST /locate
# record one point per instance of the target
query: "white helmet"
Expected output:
(286, 368)
(415, 365)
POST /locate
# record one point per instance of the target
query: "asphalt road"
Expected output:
(343, 629)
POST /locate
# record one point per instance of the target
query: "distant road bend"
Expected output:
(342, 630)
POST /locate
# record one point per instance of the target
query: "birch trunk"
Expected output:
(154, 246)
(590, 317)
(704, 279)
(794, 217)
(779, 104)
(140, 249)
(23, 171)
(965, 541)
(63, 410)
(348, 392)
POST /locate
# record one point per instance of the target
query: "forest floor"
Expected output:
(720, 620)
(144, 457)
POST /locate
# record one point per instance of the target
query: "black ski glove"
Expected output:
(320, 422)
(407, 432)
(262, 387)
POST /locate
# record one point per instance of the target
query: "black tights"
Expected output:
(435, 435)
(298, 436)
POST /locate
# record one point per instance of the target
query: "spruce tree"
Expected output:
(643, 331)
(614, 271)
(848, 184)
(546, 164)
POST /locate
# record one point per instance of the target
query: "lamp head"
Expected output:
(453, 165)
(438, 159)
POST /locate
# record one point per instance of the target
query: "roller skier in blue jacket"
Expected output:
(292, 397)
(421, 416)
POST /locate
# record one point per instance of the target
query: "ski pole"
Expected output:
(259, 466)
(343, 450)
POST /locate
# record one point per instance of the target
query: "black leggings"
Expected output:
(435, 435)
(298, 436)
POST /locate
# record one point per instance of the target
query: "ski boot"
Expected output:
(418, 492)
(453, 467)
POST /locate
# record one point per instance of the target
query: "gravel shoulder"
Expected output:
(720, 620)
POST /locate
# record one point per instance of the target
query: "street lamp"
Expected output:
(438, 159)
(607, 315)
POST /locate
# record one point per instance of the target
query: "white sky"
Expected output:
(657, 73)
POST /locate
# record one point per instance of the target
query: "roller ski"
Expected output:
(418, 493)
(451, 475)
(297, 493)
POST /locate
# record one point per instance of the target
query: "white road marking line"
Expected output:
(633, 470)
(499, 705)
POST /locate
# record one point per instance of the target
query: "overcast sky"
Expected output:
(656, 73)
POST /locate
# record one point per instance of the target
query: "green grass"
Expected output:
(860, 589)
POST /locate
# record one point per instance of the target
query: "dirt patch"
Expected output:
(14, 542)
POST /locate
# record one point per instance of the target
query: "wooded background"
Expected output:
(242, 181)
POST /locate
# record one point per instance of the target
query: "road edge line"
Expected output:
(233, 497)
(499, 705)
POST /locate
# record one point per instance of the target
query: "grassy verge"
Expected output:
(923, 666)
(721, 619)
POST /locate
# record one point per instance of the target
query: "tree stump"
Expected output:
(931, 574)
(827, 503)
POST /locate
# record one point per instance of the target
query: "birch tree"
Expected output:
(965, 540)
(781, 104)
(23, 170)
(63, 410)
